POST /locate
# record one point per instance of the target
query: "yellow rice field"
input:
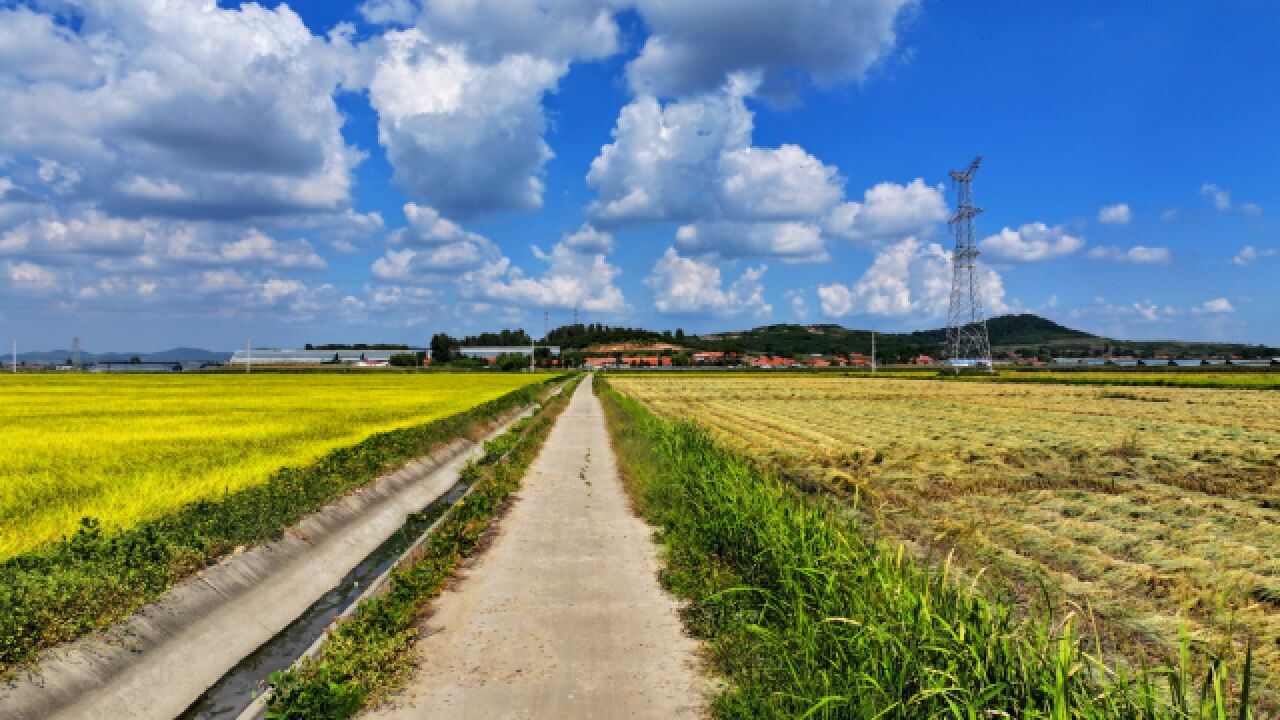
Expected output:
(129, 448)
(1158, 507)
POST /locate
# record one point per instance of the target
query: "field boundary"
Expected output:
(161, 658)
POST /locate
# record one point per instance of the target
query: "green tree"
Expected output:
(442, 348)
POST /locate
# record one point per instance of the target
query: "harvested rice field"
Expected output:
(1158, 508)
(124, 448)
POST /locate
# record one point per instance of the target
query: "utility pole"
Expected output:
(575, 315)
(533, 350)
(75, 354)
(967, 339)
(15, 356)
(248, 356)
(873, 352)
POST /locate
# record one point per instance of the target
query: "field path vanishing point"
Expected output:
(562, 616)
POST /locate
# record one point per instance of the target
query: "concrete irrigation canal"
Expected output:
(561, 617)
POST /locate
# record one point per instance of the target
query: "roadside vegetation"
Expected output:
(1155, 509)
(370, 655)
(98, 575)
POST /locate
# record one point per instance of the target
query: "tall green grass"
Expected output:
(807, 615)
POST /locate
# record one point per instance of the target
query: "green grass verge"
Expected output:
(88, 581)
(807, 615)
(369, 655)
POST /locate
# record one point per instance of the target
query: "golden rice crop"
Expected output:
(129, 448)
(1159, 507)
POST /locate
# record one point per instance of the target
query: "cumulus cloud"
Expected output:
(1252, 210)
(692, 162)
(781, 183)
(179, 109)
(1221, 197)
(890, 211)
(908, 278)
(693, 46)
(790, 242)
(28, 276)
(556, 29)
(799, 305)
(1118, 214)
(258, 247)
(389, 12)
(157, 245)
(1250, 254)
(462, 136)
(1115, 316)
(1215, 306)
(589, 240)
(431, 247)
(1140, 254)
(1032, 242)
(687, 285)
(572, 279)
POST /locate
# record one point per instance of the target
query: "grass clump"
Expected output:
(369, 655)
(95, 577)
(806, 615)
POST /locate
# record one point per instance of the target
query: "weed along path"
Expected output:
(562, 617)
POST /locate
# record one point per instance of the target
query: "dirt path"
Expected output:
(562, 617)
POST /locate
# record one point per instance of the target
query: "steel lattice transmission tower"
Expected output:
(967, 338)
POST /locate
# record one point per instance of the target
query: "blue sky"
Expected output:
(178, 173)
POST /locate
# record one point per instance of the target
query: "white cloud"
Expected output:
(260, 248)
(561, 30)
(1140, 254)
(180, 109)
(1215, 306)
(1169, 214)
(1032, 242)
(589, 240)
(30, 277)
(464, 137)
(692, 161)
(664, 162)
(1250, 254)
(571, 279)
(389, 12)
(1115, 316)
(790, 242)
(1118, 214)
(836, 299)
(686, 285)
(432, 246)
(799, 305)
(1252, 210)
(909, 278)
(1221, 197)
(890, 212)
(693, 46)
(782, 183)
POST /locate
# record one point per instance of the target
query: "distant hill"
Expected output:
(1009, 330)
(52, 357)
(1024, 334)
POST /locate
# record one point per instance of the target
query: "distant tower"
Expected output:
(966, 325)
(75, 353)
(546, 324)
(575, 315)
